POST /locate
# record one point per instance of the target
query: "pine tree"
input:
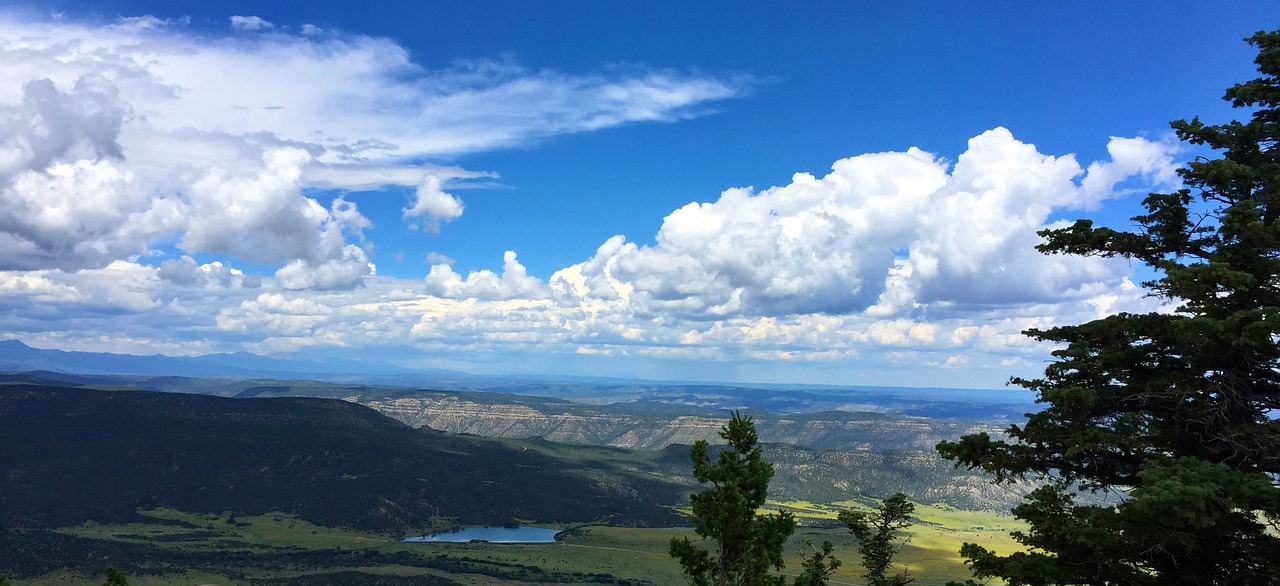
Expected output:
(1171, 415)
(748, 544)
(115, 577)
(818, 565)
(879, 538)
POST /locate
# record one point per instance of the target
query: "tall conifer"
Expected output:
(747, 544)
(1174, 415)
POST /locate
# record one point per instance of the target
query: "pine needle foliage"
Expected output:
(747, 543)
(1173, 415)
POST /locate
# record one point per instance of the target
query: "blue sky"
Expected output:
(336, 179)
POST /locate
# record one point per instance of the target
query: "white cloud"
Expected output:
(435, 258)
(822, 271)
(118, 138)
(122, 140)
(184, 271)
(344, 271)
(273, 313)
(250, 23)
(432, 206)
(892, 257)
(67, 199)
(883, 233)
(361, 99)
(514, 282)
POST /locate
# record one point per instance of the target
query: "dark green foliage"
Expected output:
(818, 565)
(352, 577)
(879, 539)
(72, 455)
(36, 553)
(748, 544)
(115, 577)
(1171, 414)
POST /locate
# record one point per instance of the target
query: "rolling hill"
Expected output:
(74, 454)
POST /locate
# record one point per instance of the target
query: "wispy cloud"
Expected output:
(124, 136)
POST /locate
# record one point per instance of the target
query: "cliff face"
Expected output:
(820, 457)
(583, 424)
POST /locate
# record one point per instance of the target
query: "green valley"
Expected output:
(271, 489)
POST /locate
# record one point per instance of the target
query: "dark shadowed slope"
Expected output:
(72, 455)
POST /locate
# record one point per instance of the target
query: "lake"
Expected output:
(492, 535)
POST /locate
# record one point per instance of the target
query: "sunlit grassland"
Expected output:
(933, 541)
(636, 553)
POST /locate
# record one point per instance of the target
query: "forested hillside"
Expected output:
(75, 454)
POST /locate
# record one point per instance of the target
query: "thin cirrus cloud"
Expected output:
(125, 137)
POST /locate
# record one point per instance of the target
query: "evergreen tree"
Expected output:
(747, 543)
(1173, 415)
(818, 565)
(879, 539)
(115, 577)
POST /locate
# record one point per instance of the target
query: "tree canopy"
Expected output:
(879, 538)
(748, 544)
(1171, 415)
(115, 577)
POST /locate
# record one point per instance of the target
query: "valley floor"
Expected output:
(172, 547)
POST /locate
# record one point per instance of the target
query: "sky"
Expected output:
(839, 193)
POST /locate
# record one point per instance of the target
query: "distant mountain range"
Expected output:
(637, 395)
(18, 357)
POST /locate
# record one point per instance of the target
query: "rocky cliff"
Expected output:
(562, 421)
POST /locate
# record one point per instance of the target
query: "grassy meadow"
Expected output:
(277, 548)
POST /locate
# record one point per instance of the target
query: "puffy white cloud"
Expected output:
(67, 199)
(883, 262)
(275, 314)
(121, 137)
(514, 282)
(184, 271)
(883, 233)
(122, 140)
(432, 206)
(895, 258)
(1152, 161)
(342, 272)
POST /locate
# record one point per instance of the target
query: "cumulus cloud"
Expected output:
(66, 197)
(184, 271)
(276, 314)
(897, 259)
(514, 282)
(345, 271)
(139, 143)
(123, 137)
(882, 233)
(432, 206)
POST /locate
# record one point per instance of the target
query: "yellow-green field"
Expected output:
(629, 553)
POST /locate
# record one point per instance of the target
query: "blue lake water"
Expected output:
(493, 535)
